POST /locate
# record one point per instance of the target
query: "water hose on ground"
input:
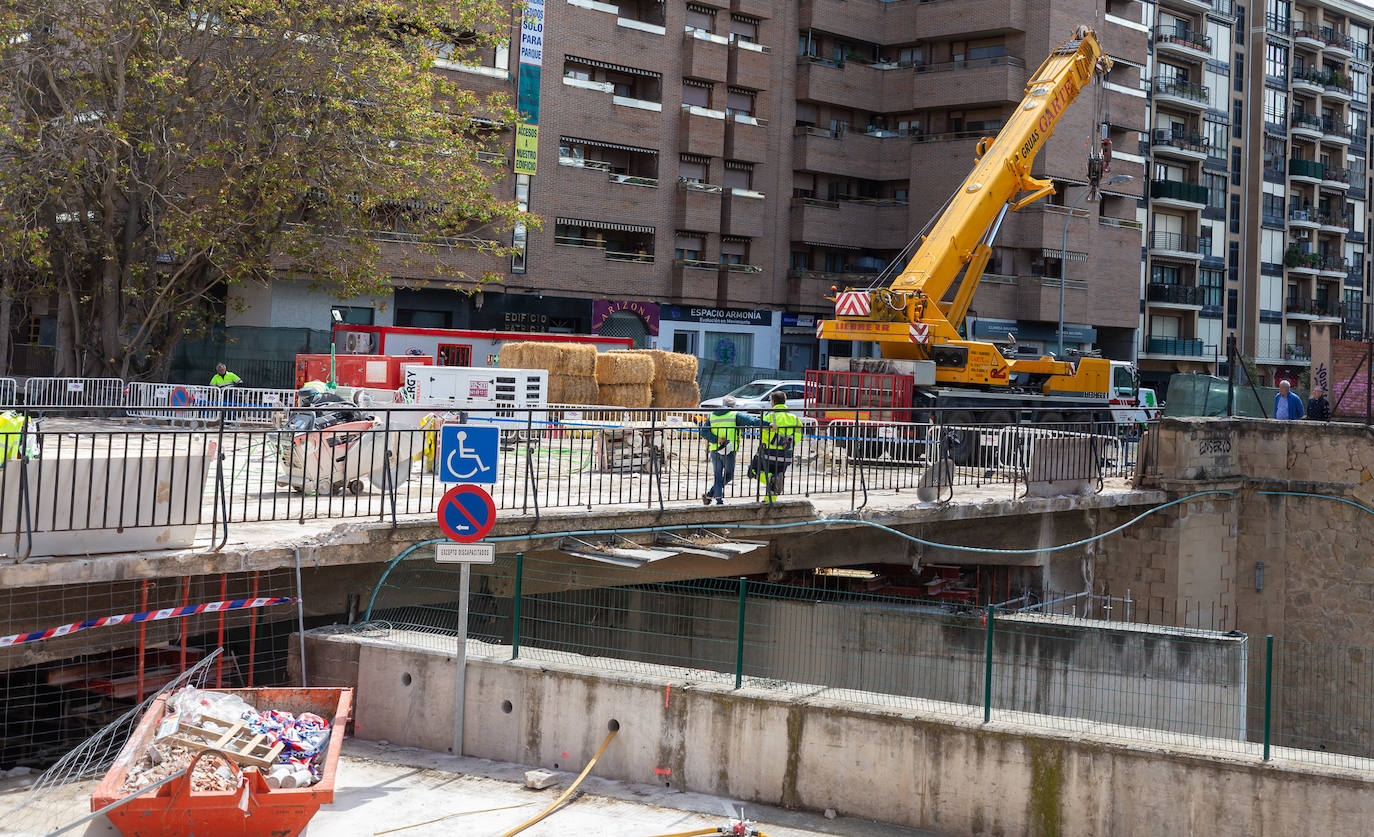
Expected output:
(745, 831)
(615, 727)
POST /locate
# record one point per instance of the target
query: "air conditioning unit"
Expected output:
(358, 343)
(1303, 235)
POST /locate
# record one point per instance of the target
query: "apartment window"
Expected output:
(1240, 26)
(730, 348)
(744, 28)
(1280, 12)
(1275, 106)
(1232, 304)
(1164, 326)
(1233, 257)
(734, 251)
(701, 17)
(834, 263)
(688, 247)
(801, 260)
(1220, 33)
(987, 48)
(1359, 85)
(352, 315)
(1238, 74)
(692, 168)
(1235, 215)
(1210, 281)
(1276, 62)
(1218, 138)
(696, 92)
(1165, 274)
(739, 175)
(1218, 89)
(1272, 207)
(1238, 118)
(1216, 190)
(740, 100)
(1235, 164)
(1275, 154)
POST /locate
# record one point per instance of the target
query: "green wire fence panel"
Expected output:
(1323, 703)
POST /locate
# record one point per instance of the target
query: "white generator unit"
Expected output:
(491, 393)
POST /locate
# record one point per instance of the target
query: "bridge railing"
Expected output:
(382, 462)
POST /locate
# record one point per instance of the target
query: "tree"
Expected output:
(159, 153)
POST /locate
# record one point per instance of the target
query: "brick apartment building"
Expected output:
(721, 164)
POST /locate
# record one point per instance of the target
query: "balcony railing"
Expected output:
(1183, 37)
(1297, 351)
(1335, 38)
(1307, 30)
(1182, 89)
(1337, 175)
(1276, 23)
(1183, 142)
(1303, 119)
(1306, 168)
(1308, 215)
(1191, 347)
(1176, 294)
(1178, 190)
(1335, 128)
(1181, 242)
(972, 63)
(1332, 81)
(1313, 307)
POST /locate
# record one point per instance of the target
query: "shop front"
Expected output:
(732, 336)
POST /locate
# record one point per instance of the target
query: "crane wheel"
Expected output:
(961, 442)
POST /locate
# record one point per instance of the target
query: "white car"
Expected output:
(755, 395)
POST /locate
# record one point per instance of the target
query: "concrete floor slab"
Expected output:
(405, 792)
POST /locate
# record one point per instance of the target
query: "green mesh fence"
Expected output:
(263, 357)
(1192, 394)
(1179, 686)
(716, 378)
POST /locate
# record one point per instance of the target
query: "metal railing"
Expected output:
(1182, 36)
(1306, 120)
(1184, 89)
(1177, 294)
(1181, 242)
(1183, 142)
(1190, 347)
(1178, 190)
(74, 392)
(195, 404)
(566, 456)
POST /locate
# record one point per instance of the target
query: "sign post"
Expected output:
(467, 454)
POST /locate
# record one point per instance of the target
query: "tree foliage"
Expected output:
(156, 154)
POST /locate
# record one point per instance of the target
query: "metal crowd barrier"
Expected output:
(103, 393)
(197, 404)
(9, 392)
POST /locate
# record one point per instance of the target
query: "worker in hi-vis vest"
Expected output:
(722, 434)
(782, 433)
(223, 380)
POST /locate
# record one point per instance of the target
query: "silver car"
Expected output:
(756, 395)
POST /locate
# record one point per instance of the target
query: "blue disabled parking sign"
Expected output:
(468, 454)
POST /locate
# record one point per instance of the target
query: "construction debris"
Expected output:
(539, 779)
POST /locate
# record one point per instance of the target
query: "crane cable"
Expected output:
(571, 788)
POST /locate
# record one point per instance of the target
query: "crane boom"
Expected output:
(910, 318)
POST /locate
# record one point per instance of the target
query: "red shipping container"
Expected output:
(371, 371)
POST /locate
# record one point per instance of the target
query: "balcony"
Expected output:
(996, 79)
(611, 173)
(1176, 346)
(1337, 42)
(746, 138)
(701, 131)
(1180, 245)
(1181, 41)
(1311, 309)
(1181, 93)
(1178, 194)
(1204, 5)
(1297, 352)
(1308, 35)
(1335, 178)
(1307, 81)
(1182, 296)
(743, 213)
(1186, 146)
(1334, 130)
(695, 279)
(851, 153)
(1299, 262)
(1307, 219)
(705, 55)
(1307, 171)
(750, 64)
(698, 206)
(874, 225)
(1279, 24)
(1335, 267)
(1334, 223)
(1306, 124)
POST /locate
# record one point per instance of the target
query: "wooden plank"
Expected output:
(228, 736)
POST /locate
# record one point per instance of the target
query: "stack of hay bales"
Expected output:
(624, 379)
(571, 368)
(674, 378)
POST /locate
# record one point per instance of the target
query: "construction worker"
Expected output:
(223, 380)
(782, 433)
(722, 437)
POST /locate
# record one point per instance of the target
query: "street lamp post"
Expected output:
(1064, 252)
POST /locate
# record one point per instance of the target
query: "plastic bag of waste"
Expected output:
(196, 705)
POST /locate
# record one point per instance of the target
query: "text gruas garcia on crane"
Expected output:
(1049, 117)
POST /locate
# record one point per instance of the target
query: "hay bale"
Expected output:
(676, 395)
(572, 389)
(577, 359)
(511, 356)
(625, 395)
(668, 366)
(624, 368)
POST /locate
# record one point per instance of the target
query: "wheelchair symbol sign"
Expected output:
(468, 453)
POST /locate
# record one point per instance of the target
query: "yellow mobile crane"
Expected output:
(912, 320)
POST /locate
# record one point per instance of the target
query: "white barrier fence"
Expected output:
(9, 392)
(199, 404)
(74, 392)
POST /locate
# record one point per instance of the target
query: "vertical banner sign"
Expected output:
(527, 86)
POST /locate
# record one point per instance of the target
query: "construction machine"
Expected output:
(916, 316)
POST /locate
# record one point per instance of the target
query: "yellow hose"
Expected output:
(451, 816)
(569, 792)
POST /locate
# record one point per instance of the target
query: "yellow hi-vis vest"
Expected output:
(726, 431)
(782, 432)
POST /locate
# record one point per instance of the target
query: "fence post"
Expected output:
(987, 666)
(739, 637)
(515, 609)
(1268, 689)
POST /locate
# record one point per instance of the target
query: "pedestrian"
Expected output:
(721, 430)
(1287, 404)
(1318, 408)
(782, 433)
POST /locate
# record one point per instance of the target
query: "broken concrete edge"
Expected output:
(329, 548)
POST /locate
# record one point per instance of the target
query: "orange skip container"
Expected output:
(251, 810)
